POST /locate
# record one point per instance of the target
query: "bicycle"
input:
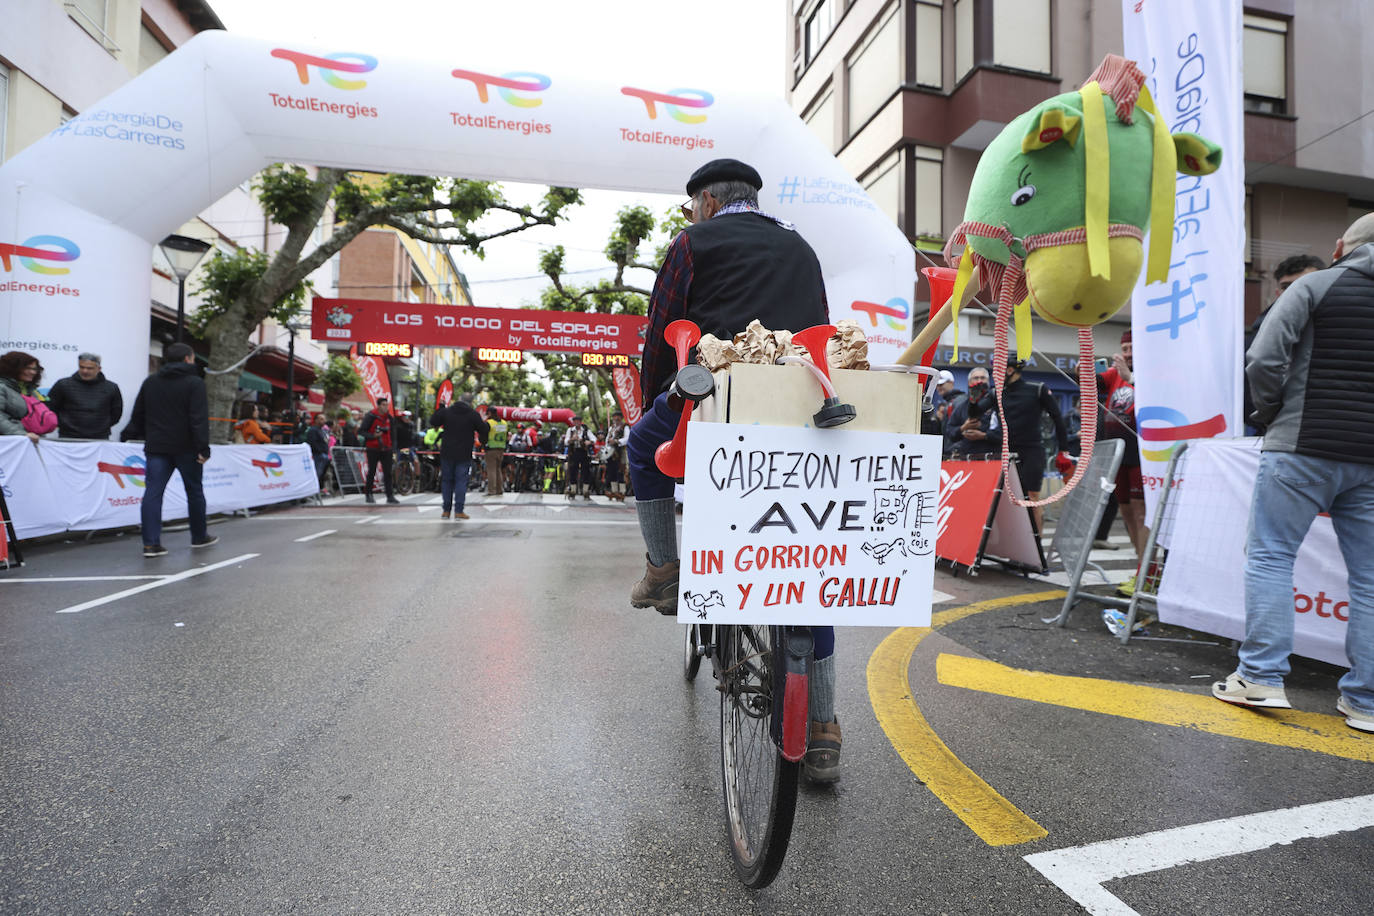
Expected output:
(762, 673)
(406, 473)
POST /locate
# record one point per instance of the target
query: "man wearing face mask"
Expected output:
(972, 438)
(1023, 402)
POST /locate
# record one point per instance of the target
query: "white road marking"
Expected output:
(939, 597)
(367, 520)
(1081, 871)
(428, 508)
(493, 508)
(317, 534)
(84, 579)
(168, 580)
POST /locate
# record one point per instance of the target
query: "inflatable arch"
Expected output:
(81, 210)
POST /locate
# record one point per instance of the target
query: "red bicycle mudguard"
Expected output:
(795, 724)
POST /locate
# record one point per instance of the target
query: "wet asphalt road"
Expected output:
(416, 716)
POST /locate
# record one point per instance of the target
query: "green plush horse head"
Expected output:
(1068, 189)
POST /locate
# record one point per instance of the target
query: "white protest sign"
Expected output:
(788, 525)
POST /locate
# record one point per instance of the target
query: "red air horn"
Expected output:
(815, 339)
(692, 384)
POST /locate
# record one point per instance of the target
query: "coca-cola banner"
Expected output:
(626, 379)
(534, 414)
(426, 325)
(445, 395)
(966, 491)
(373, 372)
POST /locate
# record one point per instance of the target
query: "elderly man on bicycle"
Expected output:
(733, 264)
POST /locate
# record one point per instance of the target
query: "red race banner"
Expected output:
(966, 491)
(444, 397)
(429, 325)
(534, 414)
(626, 380)
(373, 371)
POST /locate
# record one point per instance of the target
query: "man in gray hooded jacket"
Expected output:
(1311, 372)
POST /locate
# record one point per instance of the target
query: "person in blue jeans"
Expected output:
(172, 417)
(1311, 374)
(459, 422)
(733, 264)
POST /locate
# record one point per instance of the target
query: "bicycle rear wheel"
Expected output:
(760, 786)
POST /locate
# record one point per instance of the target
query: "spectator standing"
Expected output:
(460, 424)
(616, 438)
(1116, 393)
(375, 431)
(19, 372)
(1285, 274)
(87, 404)
(172, 416)
(1024, 402)
(497, 436)
(577, 445)
(346, 430)
(976, 437)
(248, 427)
(317, 437)
(1311, 371)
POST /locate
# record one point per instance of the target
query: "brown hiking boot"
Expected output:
(822, 761)
(658, 588)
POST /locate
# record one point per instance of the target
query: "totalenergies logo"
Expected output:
(1171, 427)
(330, 66)
(895, 312)
(269, 465)
(673, 102)
(33, 250)
(507, 84)
(134, 468)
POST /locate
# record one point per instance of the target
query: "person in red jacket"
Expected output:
(375, 431)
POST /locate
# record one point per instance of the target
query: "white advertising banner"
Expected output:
(82, 208)
(1204, 578)
(1191, 55)
(789, 525)
(84, 486)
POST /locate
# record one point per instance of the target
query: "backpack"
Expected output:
(40, 419)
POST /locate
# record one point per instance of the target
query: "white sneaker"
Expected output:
(1236, 689)
(1354, 717)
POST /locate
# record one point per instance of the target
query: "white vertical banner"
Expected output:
(1191, 55)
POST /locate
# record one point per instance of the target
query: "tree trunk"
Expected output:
(229, 343)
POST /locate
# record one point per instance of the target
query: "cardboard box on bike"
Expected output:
(886, 402)
(785, 523)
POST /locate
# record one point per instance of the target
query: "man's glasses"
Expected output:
(689, 210)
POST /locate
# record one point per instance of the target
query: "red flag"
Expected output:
(626, 380)
(373, 371)
(445, 395)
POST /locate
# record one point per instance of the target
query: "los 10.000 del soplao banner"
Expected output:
(808, 526)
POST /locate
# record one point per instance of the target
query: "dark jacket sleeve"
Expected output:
(116, 404)
(57, 397)
(198, 415)
(482, 428)
(954, 420)
(1051, 407)
(134, 428)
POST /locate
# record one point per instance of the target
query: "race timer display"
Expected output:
(605, 359)
(387, 349)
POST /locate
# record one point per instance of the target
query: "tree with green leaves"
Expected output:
(243, 289)
(590, 389)
(338, 380)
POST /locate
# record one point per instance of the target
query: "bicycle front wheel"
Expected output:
(760, 786)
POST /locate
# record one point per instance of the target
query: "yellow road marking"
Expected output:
(994, 819)
(1307, 731)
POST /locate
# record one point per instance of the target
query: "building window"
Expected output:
(150, 49)
(930, 60)
(928, 221)
(91, 15)
(820, 117)
(963, 38)
(884, 185)
(1021, 34)
(819, 21)
(1266, 64)
(875, 70)
(1249, 240)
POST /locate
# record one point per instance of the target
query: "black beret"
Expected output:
(723, 170)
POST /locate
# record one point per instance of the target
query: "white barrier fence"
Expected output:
(1204, 578)
(57, 486)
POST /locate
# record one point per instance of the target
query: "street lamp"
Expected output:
(291, 375)
(183, 254)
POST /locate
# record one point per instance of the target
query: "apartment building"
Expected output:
(907, 93)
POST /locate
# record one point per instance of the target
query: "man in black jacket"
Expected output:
(375, 431)
(87, 404)
(1023, 403)
(460, 423)
(172, 417)
(317, 437)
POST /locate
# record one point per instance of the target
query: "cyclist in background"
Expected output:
(733, 264)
